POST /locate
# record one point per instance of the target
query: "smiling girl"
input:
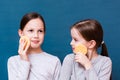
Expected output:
(33, 63)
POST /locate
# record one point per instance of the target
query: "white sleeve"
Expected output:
(66, 70)
(57, 70)
(104, 73)
(18, 69)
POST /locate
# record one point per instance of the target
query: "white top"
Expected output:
(71, 70)
(41, 66)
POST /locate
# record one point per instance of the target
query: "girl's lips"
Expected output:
(35, 41)
(73, 49)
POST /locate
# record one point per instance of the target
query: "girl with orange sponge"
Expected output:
(86, 63)
(33, 63)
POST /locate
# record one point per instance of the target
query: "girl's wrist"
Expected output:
(25, 58)
(88, 66)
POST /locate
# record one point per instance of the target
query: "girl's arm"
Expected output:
(57, 70)
(66, 69)
(18, 69)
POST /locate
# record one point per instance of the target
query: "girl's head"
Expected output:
(89, 31)
(29, 16)
(33, 26)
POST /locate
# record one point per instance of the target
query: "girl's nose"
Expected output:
(72, 42)
(35, 34)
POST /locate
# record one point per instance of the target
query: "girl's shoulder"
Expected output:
(51, 57)
(102, 60)
(69, 57)
(105, 58)
(12, 58)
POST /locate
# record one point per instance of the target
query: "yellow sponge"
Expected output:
(80, 48)
(26, 40)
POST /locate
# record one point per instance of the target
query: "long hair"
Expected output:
(92, 30)
(29, 16)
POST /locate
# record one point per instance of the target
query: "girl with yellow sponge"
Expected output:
(86, 63)
(32, 62)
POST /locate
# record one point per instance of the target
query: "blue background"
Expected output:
(59, 15)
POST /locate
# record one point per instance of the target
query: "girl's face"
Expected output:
(34, 30)
(77, 38)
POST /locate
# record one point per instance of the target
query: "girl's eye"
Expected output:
(75, 39)
(30, 30)
(40, 30)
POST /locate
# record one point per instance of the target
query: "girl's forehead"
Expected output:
(76, 33)
(35, 23)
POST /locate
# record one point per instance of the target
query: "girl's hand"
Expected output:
(23, 49)
(83, 60)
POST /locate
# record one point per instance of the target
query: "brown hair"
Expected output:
(29, 16)
(92, 30)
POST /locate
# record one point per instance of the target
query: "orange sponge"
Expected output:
(80, 48)
(26, 40)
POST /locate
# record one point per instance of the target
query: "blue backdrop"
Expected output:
(59, 15)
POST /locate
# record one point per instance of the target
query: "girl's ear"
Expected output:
(92, 44)
(20, 32)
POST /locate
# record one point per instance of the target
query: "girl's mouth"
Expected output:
(35, 41)
(73, 49)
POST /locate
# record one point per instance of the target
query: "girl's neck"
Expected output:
(92, 54)
(34, 50)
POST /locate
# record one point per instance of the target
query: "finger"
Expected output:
(78, 56)
(76, 60)
(21, 46)
(27, 46)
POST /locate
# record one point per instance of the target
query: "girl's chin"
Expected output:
(35, 47)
